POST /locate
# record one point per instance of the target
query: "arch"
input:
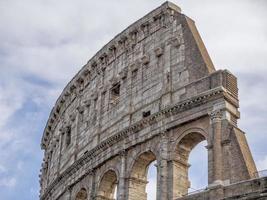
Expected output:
(152, 146)
(107, 185)
(183, 147)
(81, 195)
(138, 176)
(191, 130)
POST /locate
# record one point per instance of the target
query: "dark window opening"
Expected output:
(68, 136)
(146, 114)
(115, 93)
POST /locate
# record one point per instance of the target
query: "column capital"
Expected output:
(163, 134)
(216, 115)
(123, 153)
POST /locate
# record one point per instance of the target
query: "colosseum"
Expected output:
(151, 94)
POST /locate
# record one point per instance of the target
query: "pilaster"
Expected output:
(121, 189)
(216, 138)
(162, 168)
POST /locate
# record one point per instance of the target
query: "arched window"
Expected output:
(81, 195)
(139, 176)
(181, 167)
(107, 188)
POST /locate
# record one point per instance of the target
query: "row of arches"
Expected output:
(142, 181)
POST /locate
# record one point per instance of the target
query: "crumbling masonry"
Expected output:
(152, 93)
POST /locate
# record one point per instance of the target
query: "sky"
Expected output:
(44, 43)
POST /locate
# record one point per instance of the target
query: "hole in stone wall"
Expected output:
(115, 93)
(115, 90)
(146, 114)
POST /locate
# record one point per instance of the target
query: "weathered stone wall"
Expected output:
(151, 94)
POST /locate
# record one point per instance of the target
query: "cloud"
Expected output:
(262, 164)
(8, 182)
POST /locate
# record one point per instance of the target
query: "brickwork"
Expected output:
(150, 94)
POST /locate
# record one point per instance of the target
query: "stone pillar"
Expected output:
(121, 189)
(137, 189)
(92, 185)
(68, 195)
(79, 113)
(216, 128)
(162, 169)
(178, 178)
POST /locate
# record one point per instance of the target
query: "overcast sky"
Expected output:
(43, 43)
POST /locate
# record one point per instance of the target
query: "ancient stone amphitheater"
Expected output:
(150, 94)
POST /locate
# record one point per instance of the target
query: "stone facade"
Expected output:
(151, 94)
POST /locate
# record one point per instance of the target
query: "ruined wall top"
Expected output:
(162, 17)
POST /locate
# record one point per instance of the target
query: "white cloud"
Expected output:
(262, 164)
(8, 107)
(8, 182)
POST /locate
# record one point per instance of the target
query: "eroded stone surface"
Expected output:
(151, 94)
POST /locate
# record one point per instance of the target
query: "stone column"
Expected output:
(166, 76)
(137, 189)
(92, 185)
(216, 127)
(162, 169)
(178, 179)
(68, 195)
(121, 189)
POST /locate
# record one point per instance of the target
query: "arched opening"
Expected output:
(198, 171)
(182, 184)
(151, 187)
(81, 195)
(139, 176)
(107, 189)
